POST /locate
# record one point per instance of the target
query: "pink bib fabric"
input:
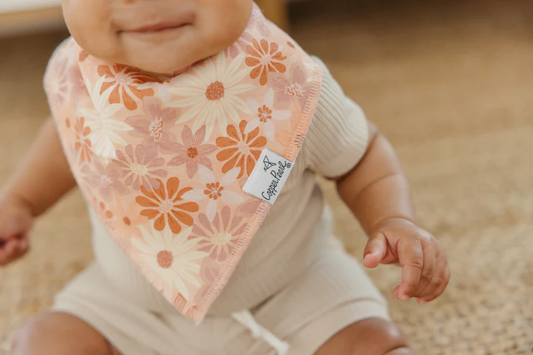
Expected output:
(166, 161)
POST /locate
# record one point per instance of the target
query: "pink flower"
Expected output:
(294, 89)
(238, 47)
(57, 83)
(209, 271)
(265, 114)
(102, 179)
(193, 152)
(218, 238)
(139, 168)
(156, 126)
(259, 21)
(214, 190)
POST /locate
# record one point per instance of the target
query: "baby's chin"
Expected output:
(162, 62)
(160, 65)
(171, 56)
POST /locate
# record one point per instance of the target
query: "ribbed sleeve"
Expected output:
(338, 135)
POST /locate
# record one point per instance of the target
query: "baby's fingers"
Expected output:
(438, 282)
(411, 259)
(430, 262)
(8, 252)
(12, 249)
(375, 250)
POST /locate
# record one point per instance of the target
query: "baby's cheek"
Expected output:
(230, 15)
(90, 24)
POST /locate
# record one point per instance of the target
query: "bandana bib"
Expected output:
(183, 168)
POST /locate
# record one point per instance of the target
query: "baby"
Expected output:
(180, 121)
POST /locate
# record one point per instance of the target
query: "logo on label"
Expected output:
(268, 163)
(267, 179)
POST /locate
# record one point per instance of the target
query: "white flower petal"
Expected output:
(233, 74)
(206, 175)
(194, 195)
(230, 177)
(270, 130)
(281, 115)
(191, 113)
(190, 100)
(238, 103)
(252, 104)
(202, 116)
(239, 89)
(208, 74)
(187, 80)
(220, 65)
(253, 124)
(193, 255)
(211, 209)
(229, 111)
(269, 99)
(109, 110)
(115, 125)
(147, 249)
(184, 234)
(231, 198)
(191, 279)
(210, 125)
(180, 286)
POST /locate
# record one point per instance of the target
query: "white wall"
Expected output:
(20, 5)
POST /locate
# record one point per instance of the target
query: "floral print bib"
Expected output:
(165, 160)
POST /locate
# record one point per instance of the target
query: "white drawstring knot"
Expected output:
(259, 332)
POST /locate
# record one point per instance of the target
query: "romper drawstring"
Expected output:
(259, 332)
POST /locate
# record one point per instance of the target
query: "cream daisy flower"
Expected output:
(211, 92)
(171, 258)
(104, 128)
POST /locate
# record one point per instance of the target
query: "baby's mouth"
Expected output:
(154, 28)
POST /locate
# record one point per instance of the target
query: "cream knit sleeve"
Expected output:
(338, 135)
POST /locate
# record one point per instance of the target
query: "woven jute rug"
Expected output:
(449, 83)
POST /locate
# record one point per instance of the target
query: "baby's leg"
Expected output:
(57, 333)
(371, 336)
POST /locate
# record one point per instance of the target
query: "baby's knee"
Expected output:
(379, 337)
(35, 332)
(59, 333)
(389, 337)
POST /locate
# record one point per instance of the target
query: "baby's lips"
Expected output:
(4, 242)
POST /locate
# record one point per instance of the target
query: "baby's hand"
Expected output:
(398, 241)
(16, 221)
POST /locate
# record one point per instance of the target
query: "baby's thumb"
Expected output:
(375, 250)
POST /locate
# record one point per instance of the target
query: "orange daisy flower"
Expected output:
(265, 58)
(124, 81)
(242, 150)
(165, 204)
(83, 144)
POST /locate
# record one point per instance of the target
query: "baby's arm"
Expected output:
(376, 189)
(40, 181)
(378, 193)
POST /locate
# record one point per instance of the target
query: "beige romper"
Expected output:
(295, 277)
